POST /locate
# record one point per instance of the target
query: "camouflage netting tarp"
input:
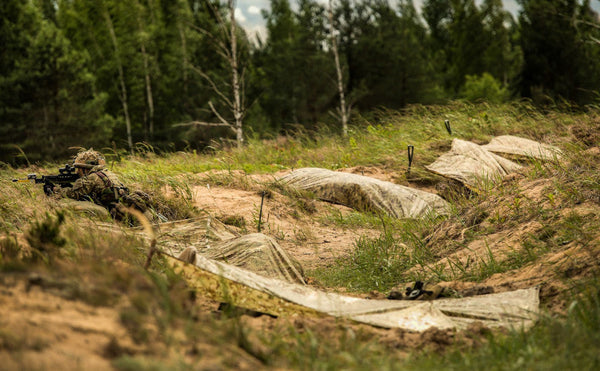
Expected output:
(225, 283)
(198, 232)
(212, 239)
(511, 145)
(257, 253)
(469, 163)
(365, 194)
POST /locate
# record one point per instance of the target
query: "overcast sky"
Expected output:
(248, 12)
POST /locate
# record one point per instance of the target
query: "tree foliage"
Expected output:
(483, 88)
(123, 72)
(49, 101)
(559, 62)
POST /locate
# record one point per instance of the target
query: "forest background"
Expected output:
(121, 74)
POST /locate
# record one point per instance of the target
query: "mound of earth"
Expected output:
(366, 194)
(49, 330)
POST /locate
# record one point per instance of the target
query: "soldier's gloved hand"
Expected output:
(48, 189)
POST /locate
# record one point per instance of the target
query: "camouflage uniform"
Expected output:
(103, 187)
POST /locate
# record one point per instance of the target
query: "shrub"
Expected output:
(484, 88)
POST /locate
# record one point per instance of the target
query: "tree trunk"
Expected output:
(123, 97)
(227, 49)
(235, 82)
(147, 79)
(184, 64)
(148, 93)
(344, 113)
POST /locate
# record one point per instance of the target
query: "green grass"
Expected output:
(380, 263)
(355, 219)
(569, 342)
(379, 138)
(158, 311)
(375, 264)
(307, 350)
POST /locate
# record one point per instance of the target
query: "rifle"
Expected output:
(65, 178)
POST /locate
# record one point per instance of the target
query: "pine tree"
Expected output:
(296, 88)
(558, 60)
(54, 104)
(391, 62)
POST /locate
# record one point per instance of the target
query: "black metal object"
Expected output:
(65, 178)
(416, 291)
(448, 127)
(262, 200)
(411, 153)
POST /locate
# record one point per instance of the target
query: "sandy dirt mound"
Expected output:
(308, 237)
(40, 329)
(515, 231)
(366, 194)
(49, 331)
(299, 228)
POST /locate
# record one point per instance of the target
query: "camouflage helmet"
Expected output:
(88, 159)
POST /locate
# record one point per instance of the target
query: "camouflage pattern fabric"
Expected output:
(88, 159)
(522, 147)
(472, 165)
(257, 253)
(363, 193)
(206, 236)
(104, 188)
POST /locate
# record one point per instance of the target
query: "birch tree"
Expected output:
(344, 109)
(123, 93)
(226, 46)
(143, 36)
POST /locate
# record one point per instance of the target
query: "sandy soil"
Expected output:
(308, 238)
(50, 332)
